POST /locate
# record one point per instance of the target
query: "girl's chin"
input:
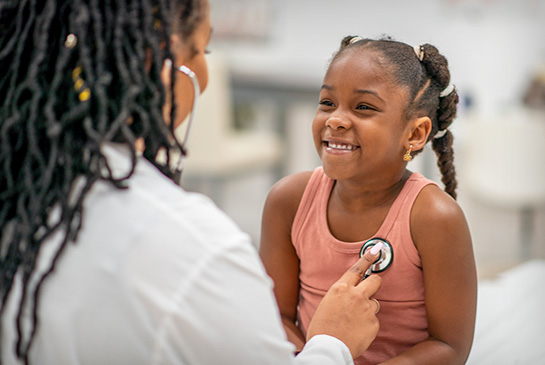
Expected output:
(334, 172)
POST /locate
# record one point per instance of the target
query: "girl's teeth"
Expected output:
(341, 146)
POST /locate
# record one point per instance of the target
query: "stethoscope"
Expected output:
(385, 258)
(197, 91)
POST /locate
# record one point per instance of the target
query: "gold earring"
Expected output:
(407, 156)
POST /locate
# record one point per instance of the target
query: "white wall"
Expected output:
(492, 45)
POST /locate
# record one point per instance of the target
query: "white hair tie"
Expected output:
(419, 51)
(440, 134)
(449, 89)
(355, 39)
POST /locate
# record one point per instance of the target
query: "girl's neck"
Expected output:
(356, 196)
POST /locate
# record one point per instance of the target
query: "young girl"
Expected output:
(380, 103)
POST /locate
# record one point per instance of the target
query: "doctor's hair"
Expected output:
(75, 75)
(424, 79)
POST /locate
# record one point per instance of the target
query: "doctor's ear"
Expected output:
(175, 42)
(180, 48)
(419, 131)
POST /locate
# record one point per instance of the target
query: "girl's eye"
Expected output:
(207, 51)
(326, 103)
(364, 107)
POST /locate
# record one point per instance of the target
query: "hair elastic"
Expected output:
(447, 91)
(419, 51)
(440, 134)
(355, 39)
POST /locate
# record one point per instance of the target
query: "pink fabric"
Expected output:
(323, 259)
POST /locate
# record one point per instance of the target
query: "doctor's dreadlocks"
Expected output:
(74, 74)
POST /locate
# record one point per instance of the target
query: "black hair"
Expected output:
(424, 79)
(75, 74)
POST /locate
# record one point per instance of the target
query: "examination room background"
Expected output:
(253, 126)
(269, 58)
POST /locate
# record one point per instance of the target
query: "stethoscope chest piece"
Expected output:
(386, 255)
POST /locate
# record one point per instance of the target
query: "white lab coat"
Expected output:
(158, 276)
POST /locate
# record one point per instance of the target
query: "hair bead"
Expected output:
(71, 41)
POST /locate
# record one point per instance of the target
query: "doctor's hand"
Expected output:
(347, 312)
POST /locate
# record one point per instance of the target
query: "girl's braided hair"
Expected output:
(74, 75)
(424, 79)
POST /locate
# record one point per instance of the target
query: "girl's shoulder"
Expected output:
(436, 215)
(286, 194)
(291, 187)
(432, 201)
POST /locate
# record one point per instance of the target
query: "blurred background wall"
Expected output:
(267, 61)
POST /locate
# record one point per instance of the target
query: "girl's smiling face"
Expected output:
(359, 125)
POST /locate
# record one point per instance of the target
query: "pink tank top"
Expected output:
(323, 260)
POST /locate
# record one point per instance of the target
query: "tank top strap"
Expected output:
(316, 185)
(402, 206)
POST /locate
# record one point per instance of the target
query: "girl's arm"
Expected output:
(277, 252)
(441, 235)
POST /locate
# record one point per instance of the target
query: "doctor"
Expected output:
(104, 259)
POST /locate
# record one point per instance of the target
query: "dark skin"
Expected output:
(361, 134)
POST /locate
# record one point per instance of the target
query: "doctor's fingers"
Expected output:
(355, 274)
(166, 73)
(369, 286)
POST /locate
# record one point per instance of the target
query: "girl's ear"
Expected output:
(419, 130)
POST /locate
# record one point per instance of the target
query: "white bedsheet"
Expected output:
(510, 327)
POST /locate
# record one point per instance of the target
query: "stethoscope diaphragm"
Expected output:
(386, 255)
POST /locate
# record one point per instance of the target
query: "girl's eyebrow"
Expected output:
(372, 92)
(357, 91)
(326, 87)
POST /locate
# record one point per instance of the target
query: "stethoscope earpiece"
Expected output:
(386, 255)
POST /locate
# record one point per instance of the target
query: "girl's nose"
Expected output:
(337, 122)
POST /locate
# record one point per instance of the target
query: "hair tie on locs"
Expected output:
(447, 91)
(355, 39)
(84, 93)
(419, 51)
(156, 21)
(440, 134)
